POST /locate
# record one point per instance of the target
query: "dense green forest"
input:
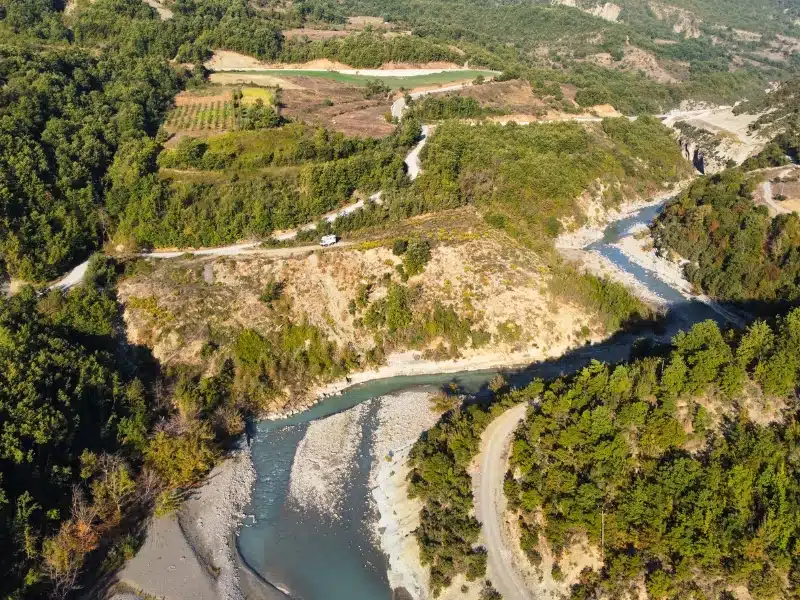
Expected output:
(64, 114)
(687, 458)
(686, 454)
(737, 252)
(448, 532)
(249, 184)
(527, 179)
(514, 32)
(75, 416)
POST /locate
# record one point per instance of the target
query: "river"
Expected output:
(314, 557)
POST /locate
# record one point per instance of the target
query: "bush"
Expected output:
(182, 459)
(399, 247)
(416, 257)
(272, 292)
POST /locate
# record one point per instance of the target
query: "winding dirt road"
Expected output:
(490, 504)
(412, 161)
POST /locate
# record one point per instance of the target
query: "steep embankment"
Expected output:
(481, 297)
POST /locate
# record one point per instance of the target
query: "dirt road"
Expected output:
(399, 105)
(412, 160)
(77, 274)
(249, 249)
(490, 504)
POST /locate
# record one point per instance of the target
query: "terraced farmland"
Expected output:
(213, 116)
(207, 113)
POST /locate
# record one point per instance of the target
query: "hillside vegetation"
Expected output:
(80, 460)
(247, 184)
(737, 252)
(446, 286)
(681, 463)
(529, 180)
(685, 460)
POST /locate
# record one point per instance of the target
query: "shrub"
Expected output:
(272, 292)
(399, 247)
(416, 257)
(182, 459)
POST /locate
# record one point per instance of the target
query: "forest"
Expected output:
(527, 179)
(64, 114)
(690, 457)
(737, 252)
(687, 454)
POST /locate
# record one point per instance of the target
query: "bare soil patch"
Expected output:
(325, 34)
(743, 35)
(252, 78)
(226, 60)
(636, 59)
(315, 34)
(361, 22)
(335, 105)
(163, 12)
(514, 96)
(682, 20)
(194, 98)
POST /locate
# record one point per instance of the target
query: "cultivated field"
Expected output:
(336, 106)
(392, 81)
(212, 110)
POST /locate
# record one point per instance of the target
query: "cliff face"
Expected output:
(191, 311)
(608, 11)
(714, 139)
(693, 152)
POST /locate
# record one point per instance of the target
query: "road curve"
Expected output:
(76, 275)
(490, 504)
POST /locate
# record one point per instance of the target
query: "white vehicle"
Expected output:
(328, 240)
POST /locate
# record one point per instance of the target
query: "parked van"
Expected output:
(328, 240)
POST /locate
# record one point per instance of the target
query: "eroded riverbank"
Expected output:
(329, 516)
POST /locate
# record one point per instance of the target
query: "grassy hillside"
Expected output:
(528, 179)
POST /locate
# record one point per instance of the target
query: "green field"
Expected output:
(393, 82)
(251, 94)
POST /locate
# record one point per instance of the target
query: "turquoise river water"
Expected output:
(318, 559)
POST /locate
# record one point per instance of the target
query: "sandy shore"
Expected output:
(597, 264)
(323, 461)
(406, 364)
(403, 418)
(399, 517)
(641, 252)
(188, 555)
(166, 566)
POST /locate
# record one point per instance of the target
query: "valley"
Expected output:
(369, 300)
